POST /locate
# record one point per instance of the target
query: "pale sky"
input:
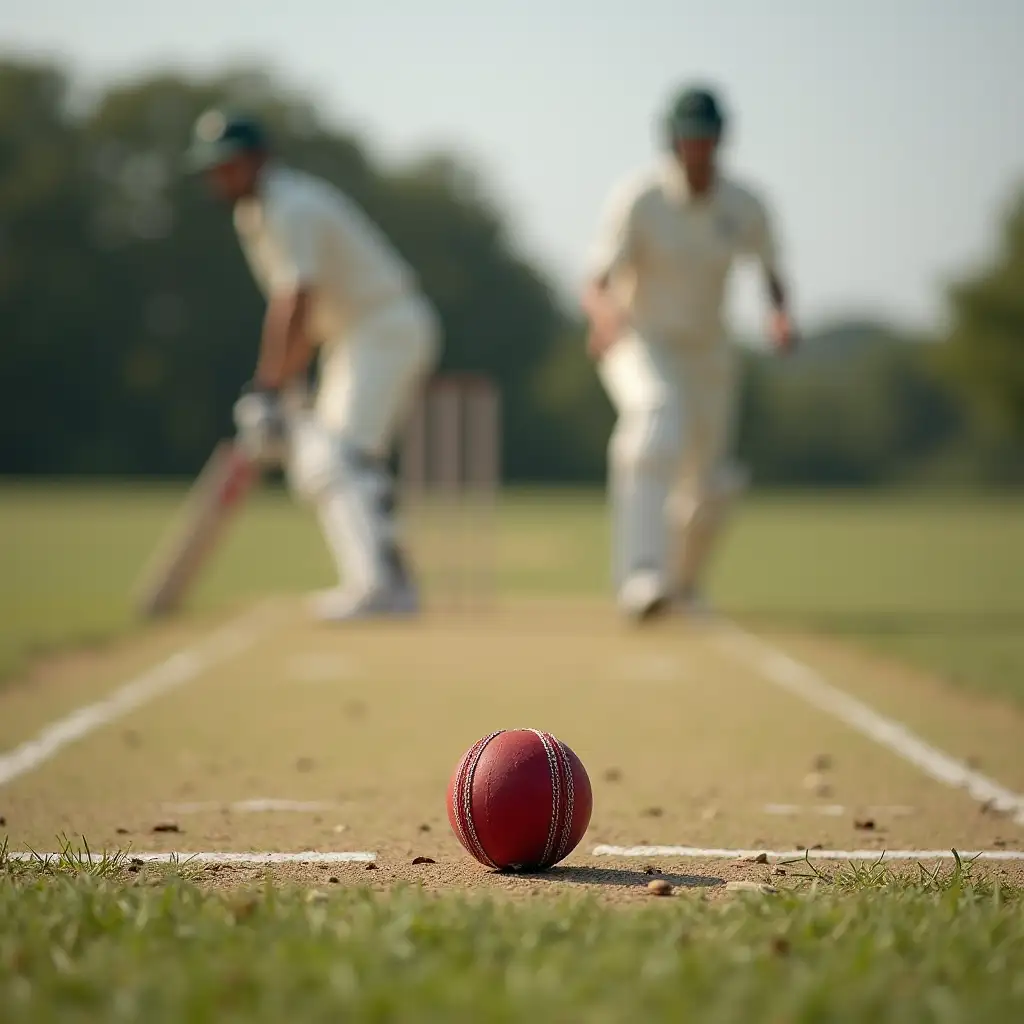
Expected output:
(887, 134)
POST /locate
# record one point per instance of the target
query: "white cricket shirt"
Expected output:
(667, 254)
(301, 231)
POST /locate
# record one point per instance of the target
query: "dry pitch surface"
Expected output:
(275, 734)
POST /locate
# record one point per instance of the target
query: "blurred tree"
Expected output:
(983, 357)
(46, 274)
(130, 319)
(858, 405)
(574, 410)
(158, 318)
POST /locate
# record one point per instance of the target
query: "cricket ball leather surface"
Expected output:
(519, 800)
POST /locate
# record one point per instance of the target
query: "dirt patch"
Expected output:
(613, 883)
(619, 881)
(982, 730)
(684, 747)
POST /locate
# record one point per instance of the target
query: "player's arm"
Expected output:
(614, 251)
(783, 333)
(285, 348)
(776, 290)
(260, 423)
(604, 315)
(763, 246)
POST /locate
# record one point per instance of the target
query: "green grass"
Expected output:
(935, 579)
(939, 582)
(80, 945)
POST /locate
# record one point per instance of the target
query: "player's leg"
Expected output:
(388, 362)
(366, 389)
(710, 481)
(643, 457)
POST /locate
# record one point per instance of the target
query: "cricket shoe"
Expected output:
(643, 597)
(342, 605)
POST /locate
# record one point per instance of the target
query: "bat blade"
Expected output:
(218, 492)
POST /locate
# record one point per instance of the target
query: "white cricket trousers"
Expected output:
(368, 381)
(669, 470)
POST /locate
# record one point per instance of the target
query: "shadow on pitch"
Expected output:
(620, 878)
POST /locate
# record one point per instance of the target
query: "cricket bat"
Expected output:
(216, 495)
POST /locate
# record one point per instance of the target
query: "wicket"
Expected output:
(450, 473)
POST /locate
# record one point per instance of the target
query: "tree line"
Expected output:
(129, 319)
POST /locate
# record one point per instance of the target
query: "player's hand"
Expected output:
(607, 323)
(260, 425)
(782, 333)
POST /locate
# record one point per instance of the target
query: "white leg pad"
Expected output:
(367, 382)
(311, 466)
(356, 514)
(354, 501)
(348, 544)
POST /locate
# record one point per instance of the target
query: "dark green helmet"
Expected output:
(218, 136)
(695, 113)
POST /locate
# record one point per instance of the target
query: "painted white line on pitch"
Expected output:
(837, 810)
(215, 857)
(252, 806)
(718, 854)
(220, 645)
(792, 810)
(803, 682)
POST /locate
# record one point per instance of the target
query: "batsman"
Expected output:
(654, 300)
(335, 288)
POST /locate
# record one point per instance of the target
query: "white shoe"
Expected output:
(342, 605)
(643, 596)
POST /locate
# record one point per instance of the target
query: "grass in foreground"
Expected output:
(935, 579)
(80, 944)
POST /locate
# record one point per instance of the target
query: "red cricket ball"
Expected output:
(519, 800)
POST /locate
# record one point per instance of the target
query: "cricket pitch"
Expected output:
(287, 736)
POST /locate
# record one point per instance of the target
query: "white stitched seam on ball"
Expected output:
(468, 801)
(561, 805)
(460, 780)
(556, 793)
(570, 800)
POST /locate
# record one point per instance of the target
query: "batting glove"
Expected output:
(260, 425)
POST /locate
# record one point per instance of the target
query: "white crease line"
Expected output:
(838, 810)
(793, 810)
(215, 857)
(717, 854)
(802, 681)
(252, 806)
(222, 644)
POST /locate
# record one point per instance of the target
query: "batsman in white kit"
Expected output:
(654, 300)
(333, 283)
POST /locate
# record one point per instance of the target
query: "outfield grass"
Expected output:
(936, 580)
(154, 947)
